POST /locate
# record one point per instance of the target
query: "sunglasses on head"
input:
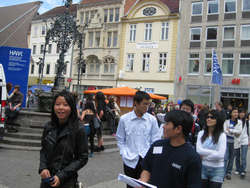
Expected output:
(211, 117)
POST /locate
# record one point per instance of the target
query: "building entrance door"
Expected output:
(239, 100)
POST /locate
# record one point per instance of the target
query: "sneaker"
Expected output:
(236, 172)
(242, 175)
(113, 134)
(228, 177)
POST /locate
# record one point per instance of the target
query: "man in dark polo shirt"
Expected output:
(173, 163)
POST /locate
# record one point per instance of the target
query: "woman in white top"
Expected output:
(211, 146)
(232, 128)
(242, 146)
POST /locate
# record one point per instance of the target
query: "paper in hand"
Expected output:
(134, 182)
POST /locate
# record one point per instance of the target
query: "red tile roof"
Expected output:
(173, 5)
(56, 11)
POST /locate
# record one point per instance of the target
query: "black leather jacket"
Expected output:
(63, 152)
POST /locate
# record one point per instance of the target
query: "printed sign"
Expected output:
(16, 63)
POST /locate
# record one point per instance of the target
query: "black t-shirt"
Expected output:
(173, 167)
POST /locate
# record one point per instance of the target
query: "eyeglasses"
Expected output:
(211, 117)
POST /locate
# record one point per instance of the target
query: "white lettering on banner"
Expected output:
(16, 53)
(148, 45)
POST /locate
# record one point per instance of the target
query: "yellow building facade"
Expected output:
(148, 47)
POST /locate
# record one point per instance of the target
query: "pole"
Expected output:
(79, 62)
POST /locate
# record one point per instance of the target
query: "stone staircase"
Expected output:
(29, 138)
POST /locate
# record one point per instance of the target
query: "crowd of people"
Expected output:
(180, 147)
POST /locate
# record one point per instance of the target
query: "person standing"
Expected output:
(30, 99)
(242, 146)
(172, 162)
(232, 128)
(136, 131)
(64, 145)
(211, 146)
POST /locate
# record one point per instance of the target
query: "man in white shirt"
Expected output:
(136, 131)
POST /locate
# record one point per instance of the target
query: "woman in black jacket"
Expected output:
(64, 145)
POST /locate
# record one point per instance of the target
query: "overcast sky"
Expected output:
(47, 4)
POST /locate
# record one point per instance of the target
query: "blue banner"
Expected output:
(16, 62)
(216, 74)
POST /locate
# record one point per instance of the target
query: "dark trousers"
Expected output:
(229, 159)
(133, 172)
(208, 184)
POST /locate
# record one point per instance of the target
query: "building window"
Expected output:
(109, 39)
(48, 69)
(81, 17)
(41, 49)
(195, 34)
(145, 62)
(56, 67)
(230, 6)
(111, 15)
(164, 31)
(91, 36)
(194, 63)
(109, 65)
(92, 14)
(163, 62)
(227, 64)
(245, 64)
(83, 40)
(115, 38)
(105, 15)
(32, 68)
(132, 33)
(213, 7)
(39, 68)
(50, 48)
(197, 9)
(148, 31)
(130, 62)
(212, 33)
(34, 49)
(245, 5)
(87, 17)
(117, 14)
(208, 64)
(245, 32)
(43, 30)
(229, 33)
(97, 38)
(94, 68)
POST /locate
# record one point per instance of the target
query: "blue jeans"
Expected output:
(241, 158)
(229, 158)
(213, 174)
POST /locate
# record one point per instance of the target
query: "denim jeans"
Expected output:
(241, 158)
(229, 158)
(213, 174)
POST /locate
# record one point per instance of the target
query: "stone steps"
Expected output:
(29, 138)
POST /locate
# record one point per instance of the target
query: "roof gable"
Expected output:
(173, 5)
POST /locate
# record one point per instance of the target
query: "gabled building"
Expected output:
(148, 45)
(101, 46)
(223, 25)
(39, 28)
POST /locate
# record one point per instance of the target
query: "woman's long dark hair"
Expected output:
(73, 118)
(100, 99)
(242, 110)
(90, 105)
(218, 129)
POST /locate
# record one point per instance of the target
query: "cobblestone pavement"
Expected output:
(19, 169)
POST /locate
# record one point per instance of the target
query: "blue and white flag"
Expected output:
(216, 74)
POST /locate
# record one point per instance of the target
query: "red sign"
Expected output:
(69, 80)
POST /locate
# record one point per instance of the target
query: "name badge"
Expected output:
(157, 150)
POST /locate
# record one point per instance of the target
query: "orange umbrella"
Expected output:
(122, 91)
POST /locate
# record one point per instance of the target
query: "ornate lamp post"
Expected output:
(63, 32)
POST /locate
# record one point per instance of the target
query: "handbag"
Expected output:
(97, 123)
